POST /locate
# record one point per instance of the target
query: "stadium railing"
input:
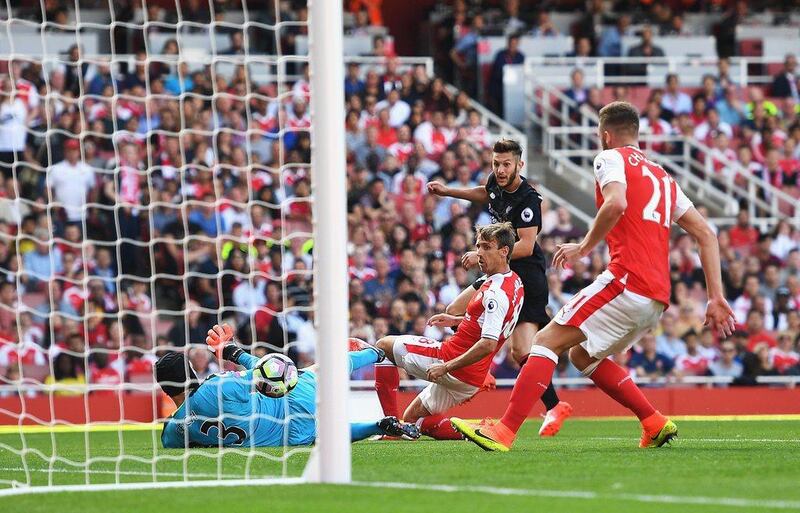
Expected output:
(787, 381)
(551, 120)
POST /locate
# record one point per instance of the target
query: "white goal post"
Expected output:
(330, 239)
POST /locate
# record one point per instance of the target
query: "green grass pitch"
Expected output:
(592, 466)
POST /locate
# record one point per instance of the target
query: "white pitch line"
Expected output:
(712, 440)
(124, 473)
(558, 494)
(579, 494)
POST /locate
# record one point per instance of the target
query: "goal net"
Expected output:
(158, 180)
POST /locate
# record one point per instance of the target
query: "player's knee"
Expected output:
(519, 354)
(385, 343)
(579, 357)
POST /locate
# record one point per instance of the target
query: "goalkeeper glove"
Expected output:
(220, 342)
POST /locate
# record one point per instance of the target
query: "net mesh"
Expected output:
(156, 182)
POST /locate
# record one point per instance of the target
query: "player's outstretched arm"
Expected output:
(220, 341)
(474, 194)
(719, 314)
(614, 205)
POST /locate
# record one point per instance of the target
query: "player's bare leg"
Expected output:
(387, 378)
(557, 411)
(533, 380)
(617, 383)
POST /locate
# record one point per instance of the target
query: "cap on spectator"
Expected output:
(783, 291)
(72, 144)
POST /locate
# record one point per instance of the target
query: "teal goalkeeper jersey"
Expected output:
(226, 410)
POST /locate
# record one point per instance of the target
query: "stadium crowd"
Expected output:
(130, 225)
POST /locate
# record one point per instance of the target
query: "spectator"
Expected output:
(399, 111)
(652, 124)
(650, 363)
(644, 50)
(513, 23)
(577, 92)
(784, 358)
(743, 235)
(101, 373)
(510, 55)
(465, 56)
(675, 102)
(669, 343)
(13, 115)
(727, 365)
(707, 131)
(200, 359)
(756, 364)
(72, 182)
(610, 44)
(694, 362)
(191, 330)
(353, 85)
(756, 333)
(729, 107)
(42, 264)
(68, 377)
(784, 85)
(544, 26)
(564, 228)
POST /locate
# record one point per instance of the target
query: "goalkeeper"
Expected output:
(226, 410)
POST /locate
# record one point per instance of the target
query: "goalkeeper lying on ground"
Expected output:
(226, 410)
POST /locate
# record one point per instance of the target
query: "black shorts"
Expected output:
(537, 294)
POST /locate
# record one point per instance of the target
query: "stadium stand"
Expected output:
(404, 127)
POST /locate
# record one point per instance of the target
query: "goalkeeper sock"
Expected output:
(362, 358)
(617, 383)
(362, 430)
(387, 381)
(531, 384)
(438, 427)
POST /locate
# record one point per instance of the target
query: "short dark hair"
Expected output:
(502, 233)
(620, 117)
(508, 146)
(175, 375)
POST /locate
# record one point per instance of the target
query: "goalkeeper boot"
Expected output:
(654, 439)
(554, 418)
(393, 427)
(487, 435)
(356, 344)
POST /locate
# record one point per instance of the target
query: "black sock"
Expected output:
(550, 397)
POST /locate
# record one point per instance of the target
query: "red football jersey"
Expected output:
(639, 242)
(491, 313)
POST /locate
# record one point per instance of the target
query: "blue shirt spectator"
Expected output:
(610, 44)
(649, 362)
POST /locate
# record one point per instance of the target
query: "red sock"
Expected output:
(387, 381)
(438, 427)
(533, 380)
(617, 383)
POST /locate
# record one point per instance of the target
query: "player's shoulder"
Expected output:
(502, 283)
(610, 156)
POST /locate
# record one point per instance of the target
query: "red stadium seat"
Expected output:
(751, 48)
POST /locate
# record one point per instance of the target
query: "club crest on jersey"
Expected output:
(527, 215)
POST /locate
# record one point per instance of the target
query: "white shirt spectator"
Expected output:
(679, 103)
(70, 185)
(398, 113)
(12, 125)
(743, 304)
(702, 130)
(247, 298)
